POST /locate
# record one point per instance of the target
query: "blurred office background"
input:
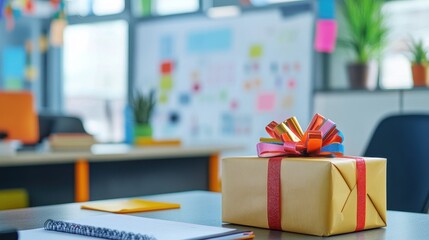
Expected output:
(221, 69)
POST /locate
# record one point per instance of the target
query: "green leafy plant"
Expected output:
(143, 107)
(366, 28)
(419, 52)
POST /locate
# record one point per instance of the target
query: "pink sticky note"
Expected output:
(326, 35)
(266, 102)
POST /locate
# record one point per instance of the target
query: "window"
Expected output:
(167, 7)
(95, 76)
(164, 7)
(97, 7)
(406, 20)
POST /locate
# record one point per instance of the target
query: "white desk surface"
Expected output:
(112, 152)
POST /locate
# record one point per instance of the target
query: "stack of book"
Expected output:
(71, 141)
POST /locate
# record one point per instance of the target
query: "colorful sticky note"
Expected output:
(166, 67)
(57, 32)
(291, 83)
(163, 98)
(166, 45)
(196, 87)
(287, 102)
(166, 82)
(184, 98)
(326, 9)
(13, 62)
(255, 51)
(209, 41)
(227, 123)
(326, 35)
(233, 104)
(266, 102)
(13, 84)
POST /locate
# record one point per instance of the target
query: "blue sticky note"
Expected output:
(184, 99)
(166, 47)
(13, 62)
(228, 125)
(327, 9)
(209, 41)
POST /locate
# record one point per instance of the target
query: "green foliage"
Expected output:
(366, 28)
(419, 52)
(143, 107)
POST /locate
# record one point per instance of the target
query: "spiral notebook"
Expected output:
(113, 226)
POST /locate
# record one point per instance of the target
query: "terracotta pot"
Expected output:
(362, 75)
(420, 75)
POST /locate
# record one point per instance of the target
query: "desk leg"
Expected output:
(214, 177)
(81, 180)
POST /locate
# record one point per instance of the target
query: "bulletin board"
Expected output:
(222, 81)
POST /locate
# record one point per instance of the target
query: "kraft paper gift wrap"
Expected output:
(318, 196)
(301, 182)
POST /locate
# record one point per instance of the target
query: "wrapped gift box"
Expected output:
(310, 195)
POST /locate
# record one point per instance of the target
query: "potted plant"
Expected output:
(143, 106)
(367, 35)
(419, 63)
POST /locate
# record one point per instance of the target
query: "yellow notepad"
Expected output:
(130, 206)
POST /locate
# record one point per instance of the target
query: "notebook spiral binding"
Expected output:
(90, 231)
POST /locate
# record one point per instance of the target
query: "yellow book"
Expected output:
(147, 141)
(129, 206)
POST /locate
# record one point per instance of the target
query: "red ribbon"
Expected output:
(361, 193)
(274, 193)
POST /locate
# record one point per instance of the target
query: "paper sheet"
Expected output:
(160, 229)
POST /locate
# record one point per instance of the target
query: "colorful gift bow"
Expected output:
(321, 138)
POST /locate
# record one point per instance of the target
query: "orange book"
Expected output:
(18, 116)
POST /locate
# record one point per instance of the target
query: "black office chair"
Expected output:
(404, 141)
(49, 124)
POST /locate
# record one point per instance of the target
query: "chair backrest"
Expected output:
(50, 124)
(18, 116)
(404, 141)
(68, 124)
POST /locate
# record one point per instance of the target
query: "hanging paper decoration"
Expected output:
(29, 6)
(8, 14)
(2, 2)
(58, 24)
(55, 3)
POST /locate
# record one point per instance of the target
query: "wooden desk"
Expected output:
(202, 207)
(105, 158)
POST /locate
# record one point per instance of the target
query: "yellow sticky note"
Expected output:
(166, 82)
(255, 51)
(130, 206)
(163, 98)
